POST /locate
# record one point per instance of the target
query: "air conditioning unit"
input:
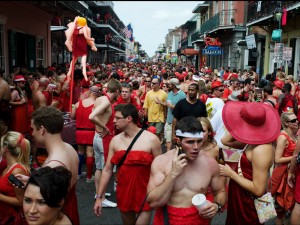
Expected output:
(232, 20)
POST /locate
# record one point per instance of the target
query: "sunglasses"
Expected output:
(220, 90)
(292, 121)
(147, 81)
(154, 83)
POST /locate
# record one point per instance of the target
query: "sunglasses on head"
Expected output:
(292, 121)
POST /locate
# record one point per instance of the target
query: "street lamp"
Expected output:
(278, 13)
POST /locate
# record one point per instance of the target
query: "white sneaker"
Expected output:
(81, 175)
(106, 195)
(90, 180)
(108, 204)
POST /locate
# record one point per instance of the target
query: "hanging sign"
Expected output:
(212, 50)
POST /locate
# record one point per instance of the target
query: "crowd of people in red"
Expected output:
(160, 96)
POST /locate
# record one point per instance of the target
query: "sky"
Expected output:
(151, 20)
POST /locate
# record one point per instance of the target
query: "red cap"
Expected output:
(18, 78)
(216, 84)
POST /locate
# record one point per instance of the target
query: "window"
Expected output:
(2, 59)
(40, 51)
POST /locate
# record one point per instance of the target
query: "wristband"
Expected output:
(220, 207)
(98, 196)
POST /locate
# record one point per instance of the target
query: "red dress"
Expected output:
(79, 44)
(284, 195)
(20, 120)
(241, 209)
(133, 177)
(8, 212)
(85, 129)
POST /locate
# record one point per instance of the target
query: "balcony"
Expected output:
(267, 9)
(101, 3)
(223, 19)
(196, 36)
(78, 7)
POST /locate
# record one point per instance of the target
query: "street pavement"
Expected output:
(111, 216)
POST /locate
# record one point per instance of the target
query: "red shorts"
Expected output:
(85, 137)
(180, 216)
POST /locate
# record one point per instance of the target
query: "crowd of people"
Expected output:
(159, 131)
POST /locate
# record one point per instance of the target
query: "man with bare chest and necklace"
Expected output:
(176, 178)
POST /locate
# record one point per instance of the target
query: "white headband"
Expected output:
(188, 134)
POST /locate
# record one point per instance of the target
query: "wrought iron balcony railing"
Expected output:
(224, 18)
(77, 7)
(267, 8)
(196, 35)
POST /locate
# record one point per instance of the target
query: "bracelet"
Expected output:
(98, 196)
(220, 207)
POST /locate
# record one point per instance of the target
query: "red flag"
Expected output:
(284, 17)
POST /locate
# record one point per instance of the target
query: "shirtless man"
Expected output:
(41, 97)
(47, 124)
(176, 178)
(103, 116)
(5, 97)
(132, 177)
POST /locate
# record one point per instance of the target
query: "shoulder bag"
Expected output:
(264, 205)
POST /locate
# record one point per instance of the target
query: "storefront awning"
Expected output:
(190, 51)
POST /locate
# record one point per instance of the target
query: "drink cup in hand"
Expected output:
(199, 201)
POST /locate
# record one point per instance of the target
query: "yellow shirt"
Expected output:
(155, 111)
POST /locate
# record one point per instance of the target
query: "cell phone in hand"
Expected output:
(15, 181)
(180, 151)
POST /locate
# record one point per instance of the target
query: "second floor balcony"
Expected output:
(223, 19)
(266, 10)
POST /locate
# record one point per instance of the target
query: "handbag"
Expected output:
(264, 205)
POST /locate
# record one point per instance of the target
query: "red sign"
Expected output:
(212, 41)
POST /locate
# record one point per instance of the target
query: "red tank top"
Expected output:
(82, 117)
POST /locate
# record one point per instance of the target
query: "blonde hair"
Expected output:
(284, 118)
(18, 147)
(210, 129)
(290, 77)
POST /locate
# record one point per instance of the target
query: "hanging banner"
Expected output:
(212, 50)
(287, 53)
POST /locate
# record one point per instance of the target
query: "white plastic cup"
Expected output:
(199, 201)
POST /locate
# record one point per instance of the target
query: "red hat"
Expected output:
(259, 126)
(152, 129)
(216, 84)
(18, 78)
(279, 83)
(85, 83)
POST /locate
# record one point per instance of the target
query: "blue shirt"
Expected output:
(174, 99)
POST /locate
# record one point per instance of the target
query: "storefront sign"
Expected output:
(212, 50)
(278, 51)
(287, 53)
